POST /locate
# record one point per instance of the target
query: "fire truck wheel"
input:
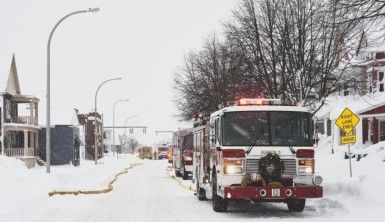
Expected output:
(296, 205)
(185, 175)
(219, 204)
(177, 173)
(201, 193)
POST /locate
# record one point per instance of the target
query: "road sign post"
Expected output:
(347, 121)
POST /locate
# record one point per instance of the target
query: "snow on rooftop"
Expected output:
(334, 105)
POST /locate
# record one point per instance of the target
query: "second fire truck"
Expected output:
(183, 153)
(257, 150)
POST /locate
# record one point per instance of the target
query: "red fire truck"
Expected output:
(183, 153)
(258, 150)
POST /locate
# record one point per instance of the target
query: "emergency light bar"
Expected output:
(271, 102)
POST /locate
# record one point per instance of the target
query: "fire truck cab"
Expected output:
(258, 150)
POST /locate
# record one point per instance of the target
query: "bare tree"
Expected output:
(298, 49)
(363, 9)
(209, 79)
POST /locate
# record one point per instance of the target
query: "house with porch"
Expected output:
(369, 108)
(366, 99)
(19, 121)
(373, 124)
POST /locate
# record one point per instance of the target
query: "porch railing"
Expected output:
(19, 152)
(25, 120)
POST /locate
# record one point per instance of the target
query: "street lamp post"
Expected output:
(113, 123)
(48, 119)
(125, 129)
(96, 109)
(130, 117)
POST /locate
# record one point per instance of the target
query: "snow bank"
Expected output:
(24, 192)
(361, 195)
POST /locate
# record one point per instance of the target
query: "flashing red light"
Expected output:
(245, 102)
(305, 153)
(268, 102)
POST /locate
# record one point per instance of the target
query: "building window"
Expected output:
(7, 109)
(380, 55)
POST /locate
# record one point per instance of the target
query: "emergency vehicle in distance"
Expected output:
(162, 152)
(183, 153)
(258, 150)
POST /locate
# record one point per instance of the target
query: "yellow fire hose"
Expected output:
(100, 191)
(179, 181)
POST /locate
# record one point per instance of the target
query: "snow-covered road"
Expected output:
(147, 193)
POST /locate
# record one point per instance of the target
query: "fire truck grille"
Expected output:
(252, 166)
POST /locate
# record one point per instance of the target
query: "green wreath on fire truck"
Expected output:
(271, 168)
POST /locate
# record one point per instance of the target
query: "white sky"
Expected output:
(141, 41)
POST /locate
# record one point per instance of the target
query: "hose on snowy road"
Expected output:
(179, 181)
(100, 191)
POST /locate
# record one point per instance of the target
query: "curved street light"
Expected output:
(96, 109)
(48, 119)
(130, 117)
(113, 123)
(125, 129)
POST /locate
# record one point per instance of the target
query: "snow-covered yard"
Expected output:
(359, 197)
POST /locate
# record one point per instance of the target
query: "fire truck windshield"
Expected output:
(267, 128)
(188, 143)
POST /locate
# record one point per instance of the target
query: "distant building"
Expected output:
(128, 145)
(65, 145)
(374, 66)
(19, 121)
(107, 139)
(89, 121)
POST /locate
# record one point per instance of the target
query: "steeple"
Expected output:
(13, 86)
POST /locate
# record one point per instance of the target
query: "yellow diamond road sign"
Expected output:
(347, 121)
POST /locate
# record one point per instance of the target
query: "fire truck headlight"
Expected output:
(308, 170)
(306, 166)
(232, 166)
(233, 170)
